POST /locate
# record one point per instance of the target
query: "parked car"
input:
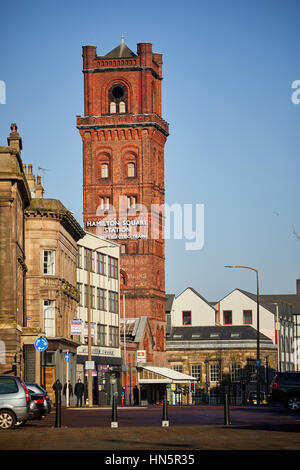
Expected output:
(36, 388)
(285, 389)
(14, 402)
(252, 398)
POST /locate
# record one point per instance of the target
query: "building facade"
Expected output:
(14, 199)
(123, 137)
(51, 236)
(216, 342)
(105, 316)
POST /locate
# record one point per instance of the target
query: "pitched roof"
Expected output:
(219, 333)
(121, 51)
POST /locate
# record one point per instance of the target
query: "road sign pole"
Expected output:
(67, 378)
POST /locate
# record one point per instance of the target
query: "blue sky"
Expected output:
(234, 131)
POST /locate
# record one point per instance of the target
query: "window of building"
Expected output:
(101, 299)
(48, 261)
(117, 98)
(227, 317)
(85, 301)
(113, 270)
(113, 336)
(104, 203)
(49, 317)
(79, 258)
(214, 370)
(100, 260)
(131, 170)
(186, 317)
(131, 202)
(101, 335)
(104, 170)
(247, 315)
(113, 302)
(79, 288)
(92, 294)
(196, 371)
(177, 367)
(235, 372)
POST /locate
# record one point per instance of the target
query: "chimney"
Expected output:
(14, 140)
(298, 286)
(30, 177)
(39, 190)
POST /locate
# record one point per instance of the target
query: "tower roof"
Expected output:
(120, 51)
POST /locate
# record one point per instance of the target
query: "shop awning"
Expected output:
(163, 375)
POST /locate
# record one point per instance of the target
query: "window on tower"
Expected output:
(104, 170)
(131, 170)
(117, 99)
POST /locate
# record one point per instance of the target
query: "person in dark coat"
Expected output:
(57, 387)
(79, 391)
(136, 396)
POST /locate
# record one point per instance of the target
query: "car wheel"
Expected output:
(7, 419)
(293, 403)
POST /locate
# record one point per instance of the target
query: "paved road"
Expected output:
(191, 429)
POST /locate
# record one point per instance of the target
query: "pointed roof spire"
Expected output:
(120, 51)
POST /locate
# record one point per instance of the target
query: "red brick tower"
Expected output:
(123, 137)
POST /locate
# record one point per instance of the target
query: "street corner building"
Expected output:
(14, 198)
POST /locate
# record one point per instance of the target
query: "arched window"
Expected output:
(131, 170)
(113, 107)
(122, 107)
(117, 99)
(104, 170)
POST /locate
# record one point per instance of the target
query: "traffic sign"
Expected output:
(67, 357)
(41, 344)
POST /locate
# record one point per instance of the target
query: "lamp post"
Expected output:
(257, 331)
(89, 263)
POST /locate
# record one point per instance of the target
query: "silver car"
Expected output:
(14, 402)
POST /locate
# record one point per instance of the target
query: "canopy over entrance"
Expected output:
(162, 375)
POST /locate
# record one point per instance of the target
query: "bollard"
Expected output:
(58, 408)
(165, 420)
(226, 411)
(114, 419)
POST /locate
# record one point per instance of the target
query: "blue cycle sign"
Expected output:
(41, 344)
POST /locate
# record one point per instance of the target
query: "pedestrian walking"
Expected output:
(79, 391)
(68, 389)
(136, 396)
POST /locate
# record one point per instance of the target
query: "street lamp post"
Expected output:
(89, 263)
(257, 331)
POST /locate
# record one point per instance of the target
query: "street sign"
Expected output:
(141, 357)
(89, 365)
(41, 344)
(67, 357)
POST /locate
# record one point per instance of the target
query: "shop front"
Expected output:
(154, 382)
(106, 374)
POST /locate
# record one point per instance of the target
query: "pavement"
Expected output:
(130, 438)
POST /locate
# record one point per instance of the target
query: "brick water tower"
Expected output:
(123, 137)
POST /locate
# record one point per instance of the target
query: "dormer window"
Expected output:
(117, 99)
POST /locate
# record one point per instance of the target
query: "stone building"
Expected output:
(14, 199)
(51, 236)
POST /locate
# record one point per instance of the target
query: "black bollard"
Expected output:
(58, 408)
(226, 411)
(114, 419)
(165, 420)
